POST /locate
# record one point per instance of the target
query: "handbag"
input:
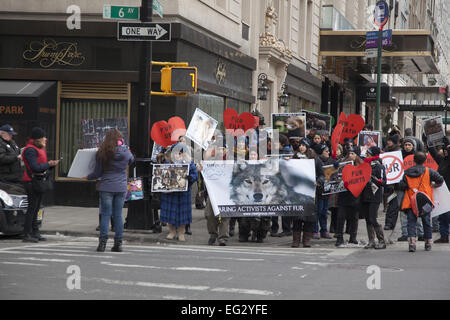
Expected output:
(421, 204)
(134, 188)
(40, 182)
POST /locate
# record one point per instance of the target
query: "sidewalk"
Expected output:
(82, 222)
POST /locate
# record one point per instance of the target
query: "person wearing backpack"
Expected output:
(419, 179)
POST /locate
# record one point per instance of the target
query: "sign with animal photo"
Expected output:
(290, 124)
(318, 121)
(333, 178)
(275, 187)
(201, 129)
(170, 177)
(368, 139)
(434, 131)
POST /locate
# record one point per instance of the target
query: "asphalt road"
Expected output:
(50, 270)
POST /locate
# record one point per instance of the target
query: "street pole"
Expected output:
(140, 215)
(379, 56)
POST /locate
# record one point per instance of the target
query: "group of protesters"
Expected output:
(344, 208)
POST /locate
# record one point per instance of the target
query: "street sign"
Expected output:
(143, 31)
(371, 53)
(381, 13)
(372, 39)
(158, 8)
(120, 12)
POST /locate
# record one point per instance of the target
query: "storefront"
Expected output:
(89, 74)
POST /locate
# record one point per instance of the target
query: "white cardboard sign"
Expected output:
(83, 164)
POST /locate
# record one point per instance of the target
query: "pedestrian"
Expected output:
(444, 170)
(322, 201)
(217, 226)
(112, 159)
(393, 206)
(419, 178)
(10, 169)
(306, 224)
(338, 157)
(348, 206)
(34, 156)
(176, 208)
(371, 198)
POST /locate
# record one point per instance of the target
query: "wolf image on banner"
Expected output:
(262, 188)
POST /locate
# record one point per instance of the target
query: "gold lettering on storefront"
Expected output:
(50, 52)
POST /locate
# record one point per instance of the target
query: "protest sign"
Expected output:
(408, 162)
(393, 163)
(170, 177)
(290, 124)
(83, 164)
(274, 187)
(333, 178)
(368, 139)
(356, 177)
(237, 124)
(167, 133)
(434, 131)
(441, 201)
(318, 121)
(353, 124)
(201, 128)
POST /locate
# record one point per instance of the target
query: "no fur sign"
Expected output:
(393, 163)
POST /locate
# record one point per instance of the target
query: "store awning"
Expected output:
(411, 51)
(27, 100)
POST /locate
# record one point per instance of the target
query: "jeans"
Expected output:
(412, 220)
(404, 222)
(322, 210)
(34, 202)
(444, 222)
(111, 204)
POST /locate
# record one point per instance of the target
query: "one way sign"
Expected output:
(144, 31)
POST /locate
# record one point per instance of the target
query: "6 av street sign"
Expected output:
(143, 31)
(120, 12)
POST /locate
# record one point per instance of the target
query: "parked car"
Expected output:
(13, 208)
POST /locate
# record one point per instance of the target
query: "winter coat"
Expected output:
(35, 160)
(10, 169)
(378, 173)
(444, 165)
(417, 171)
(113, 179)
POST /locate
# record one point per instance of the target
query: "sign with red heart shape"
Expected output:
(167, 133)
(356, 177)
(353, 124)
(408, 162)
(336, 136)
(237, 124)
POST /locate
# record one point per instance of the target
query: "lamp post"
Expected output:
(263, 89)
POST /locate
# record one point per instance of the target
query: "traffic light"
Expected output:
(179, 79)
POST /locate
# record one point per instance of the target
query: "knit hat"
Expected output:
(37, 133)
(373, 151)
(318, 148)
(305, 142)
(355, 149)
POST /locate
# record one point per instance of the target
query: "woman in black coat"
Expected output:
(371, 198)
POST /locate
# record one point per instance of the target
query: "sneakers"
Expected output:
(316, 236)
(412, 244)
(403, 238)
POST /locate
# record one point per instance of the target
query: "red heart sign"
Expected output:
(356, 177)
(408, 162)
(166, 134)
(237, 123)
(353, 124)
(336, 136)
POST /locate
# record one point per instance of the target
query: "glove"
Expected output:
(379, 182)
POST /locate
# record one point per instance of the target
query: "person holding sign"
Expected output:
(419, 179)
(371, 198)
(392, 144)
(112, 159)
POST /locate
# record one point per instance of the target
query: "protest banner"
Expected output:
(170, 177)
(83, 164)
(393, 163)
(290, 124)
(434, 131)
(441, 201)
(274, 187)
(318, 121)
(201, 128)
(333, 178)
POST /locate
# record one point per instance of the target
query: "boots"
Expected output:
(339, 241)
(306, 239)
(117, 245)
(102, 244)
(380, 235)
(172, 232)
(188, 230)
(296, 237)
(442, 240)
(412, 244)
(371, 235)
(181, 234)
(353, 239)
(428, 243)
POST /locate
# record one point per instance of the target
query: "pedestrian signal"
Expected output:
(179, 79)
